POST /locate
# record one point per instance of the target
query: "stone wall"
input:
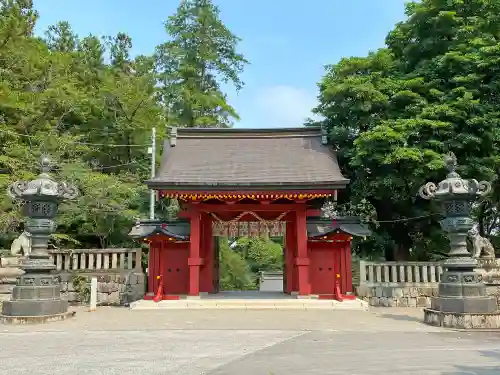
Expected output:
(403, 284)
(120, 279)
(397, 296)
(112, 289)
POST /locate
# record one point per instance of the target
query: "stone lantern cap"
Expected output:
(454, 186)
(43, 187)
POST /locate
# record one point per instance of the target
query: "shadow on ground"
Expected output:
(406, 318)
(473, 370)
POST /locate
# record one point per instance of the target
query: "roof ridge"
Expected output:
(247, 132)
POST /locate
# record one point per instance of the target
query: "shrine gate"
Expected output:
(248, 182)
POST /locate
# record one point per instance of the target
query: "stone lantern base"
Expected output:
(35, 295)
(36, 319)
(462, 320)
(463, 303)
(480, 304)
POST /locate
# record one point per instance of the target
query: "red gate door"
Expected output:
(175, 268)
(322, 268)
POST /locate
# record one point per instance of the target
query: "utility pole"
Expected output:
(152, 150)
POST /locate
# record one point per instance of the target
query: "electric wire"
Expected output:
(81, 143)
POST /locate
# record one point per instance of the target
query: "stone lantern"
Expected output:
(461, 290)
(37, 292)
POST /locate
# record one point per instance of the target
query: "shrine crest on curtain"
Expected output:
(274, 228)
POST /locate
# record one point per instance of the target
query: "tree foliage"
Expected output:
(198, 57)
(234, 269)
(262, 254)
(392, 115)
(90, 104)
(243, 260)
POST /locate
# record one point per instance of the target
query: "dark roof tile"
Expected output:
(247, 157)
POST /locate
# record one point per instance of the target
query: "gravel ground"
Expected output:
(234, 342)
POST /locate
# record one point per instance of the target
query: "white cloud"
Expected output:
(285, 106)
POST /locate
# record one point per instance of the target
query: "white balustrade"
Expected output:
(399, 273)
(96, 260)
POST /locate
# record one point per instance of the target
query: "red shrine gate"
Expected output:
(241, 182)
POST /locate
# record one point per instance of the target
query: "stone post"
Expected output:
(37, 292)
(461, 289)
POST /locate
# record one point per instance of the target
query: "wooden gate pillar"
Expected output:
(302, 259)
(194, 260)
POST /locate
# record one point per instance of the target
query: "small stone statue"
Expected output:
(488, 267)
(483, 249)
(21, 246)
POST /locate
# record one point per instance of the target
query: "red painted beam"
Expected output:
(247, 193)
(313, 212)
(249, 207)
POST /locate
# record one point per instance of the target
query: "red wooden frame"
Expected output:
(299, 275)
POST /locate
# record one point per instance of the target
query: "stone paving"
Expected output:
(233, 342)
(250, 304)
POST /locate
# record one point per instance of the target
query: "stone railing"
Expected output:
(97, 260)
(409, 273)
(405, 284)
(120, 278)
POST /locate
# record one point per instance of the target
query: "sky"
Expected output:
(288, 43)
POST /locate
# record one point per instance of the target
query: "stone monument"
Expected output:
(462, 301)
(36, 295)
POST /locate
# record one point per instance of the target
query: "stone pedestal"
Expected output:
(466, 321)
(462, 291)
(463, 301)
(35, 295)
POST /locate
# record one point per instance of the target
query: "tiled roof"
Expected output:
(146, 228)
(317, 227)
(247, 158)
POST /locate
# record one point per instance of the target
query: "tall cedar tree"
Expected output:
(199, 57)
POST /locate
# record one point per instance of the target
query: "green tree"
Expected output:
(192, 64)
(261, 254)
(234, 270)
(393, 114)
(61, 38)
(59, 96)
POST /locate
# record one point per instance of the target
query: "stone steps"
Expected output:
(253, 304)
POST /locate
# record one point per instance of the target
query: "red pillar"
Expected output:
(207, 254)
(151, 268)
(194, 260)
(154, 265)
(348, 267)
(290, 245)
(302, 259)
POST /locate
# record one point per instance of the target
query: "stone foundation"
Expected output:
(36, 319)
(408, 296)
(397, 296)
(112, 290)
(462, 321)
